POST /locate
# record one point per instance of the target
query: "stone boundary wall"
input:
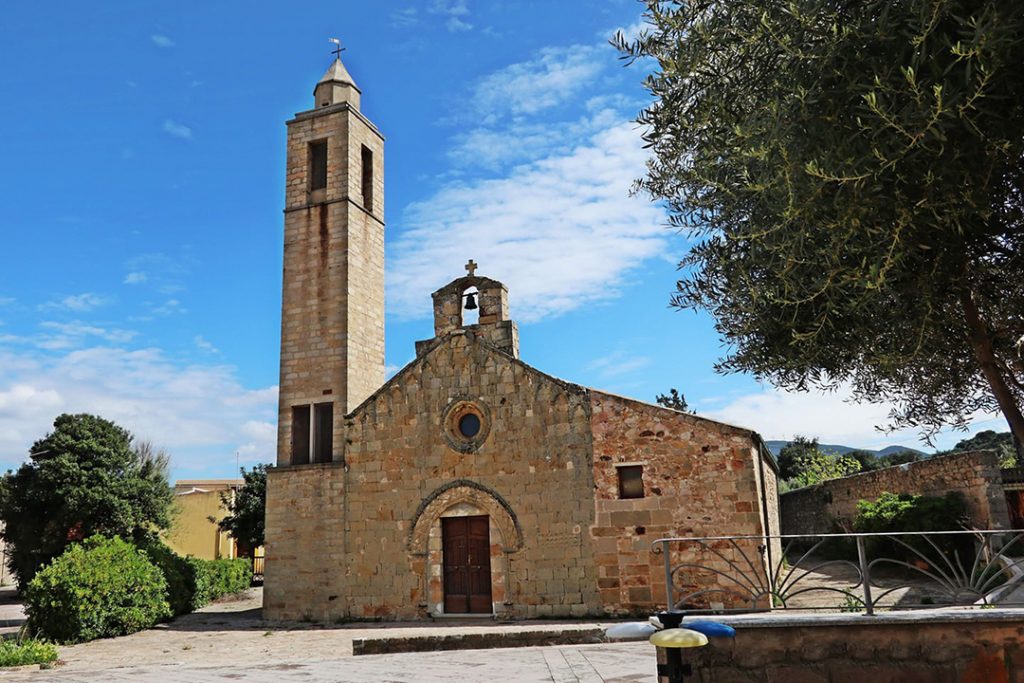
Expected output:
(854, 648)
(975, 474)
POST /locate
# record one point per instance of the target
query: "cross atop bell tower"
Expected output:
(336, 85)
(332, 311)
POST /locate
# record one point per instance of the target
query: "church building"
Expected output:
(469, 482)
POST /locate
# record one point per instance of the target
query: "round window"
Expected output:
(469, 425)
(466, 424)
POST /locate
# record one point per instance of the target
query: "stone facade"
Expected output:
(701, 478)
(814, 510)
(359, 535)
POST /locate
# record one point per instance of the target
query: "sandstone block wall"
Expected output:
(970, 650)
(700, 479)
(976, 475)
(562, 542)
(332, 311)
(305, 571)
(532, 475)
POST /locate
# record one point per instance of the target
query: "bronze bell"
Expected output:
(471, 302)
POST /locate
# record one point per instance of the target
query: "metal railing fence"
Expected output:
(851, 572)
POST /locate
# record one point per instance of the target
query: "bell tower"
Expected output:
(332, 312)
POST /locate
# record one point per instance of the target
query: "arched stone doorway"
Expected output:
(464, 498)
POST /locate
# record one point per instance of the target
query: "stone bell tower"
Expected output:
(332, 315)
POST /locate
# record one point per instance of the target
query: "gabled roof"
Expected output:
(438, 343)
(567, 386)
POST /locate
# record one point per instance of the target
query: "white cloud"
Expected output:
(617, 364)
(631, 31)
(6, 300)
(556, 76)
(161, 40)
(204, 345)
(456, 25)
(455, 8)
(77, 302)
(70, 334)
(135, 278)
(404, 17)
(178, 130)
(191, 410)
(169, 307)
(164, 271)
(561, 232)
(456, 12)
(495, 147)
(831, 417)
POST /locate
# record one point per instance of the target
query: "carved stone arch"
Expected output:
(469, 492)
(459, 498)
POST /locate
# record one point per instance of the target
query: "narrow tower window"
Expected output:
(318, 165)
(323, 432)
(367, 179)
(300, 435)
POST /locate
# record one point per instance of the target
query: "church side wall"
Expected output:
(304, 575)
(699, 478)
(532, 476)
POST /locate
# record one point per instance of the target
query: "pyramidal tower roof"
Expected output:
(335, 87)
(338, 74)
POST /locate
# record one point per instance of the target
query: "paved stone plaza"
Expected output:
(230, 641)
(562, 664)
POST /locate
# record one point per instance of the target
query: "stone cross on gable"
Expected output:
(471, 268)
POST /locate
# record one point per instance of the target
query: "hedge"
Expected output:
(108, 587)
(193, 583)
(99, 588)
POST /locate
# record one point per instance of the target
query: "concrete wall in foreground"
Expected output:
(812, 510)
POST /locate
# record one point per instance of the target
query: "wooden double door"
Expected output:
(466, 544)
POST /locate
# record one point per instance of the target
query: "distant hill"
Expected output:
(776, 446)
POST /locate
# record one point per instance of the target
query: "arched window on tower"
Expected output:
(470, 297)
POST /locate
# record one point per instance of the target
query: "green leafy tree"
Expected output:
(791, 453)
(247, 508)
(674, 400)
(868, 461)
(873, 461)
(83, 478)
(816, 467)
(852, 175)
(989, 440)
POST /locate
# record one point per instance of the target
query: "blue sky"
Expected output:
(142, 166)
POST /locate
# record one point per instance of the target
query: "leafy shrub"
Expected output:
(100, 588)
(192, 582)
(891, 513)
(223, 577)
(181, 574)
(906, 512)
(28, 651)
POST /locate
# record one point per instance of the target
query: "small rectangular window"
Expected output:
(367, 163)
(300, 435)
(318, 165)
(631, 481)
(323, 432)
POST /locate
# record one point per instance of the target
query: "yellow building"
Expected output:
(199, 508)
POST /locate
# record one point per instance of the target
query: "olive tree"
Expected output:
(850, 173)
